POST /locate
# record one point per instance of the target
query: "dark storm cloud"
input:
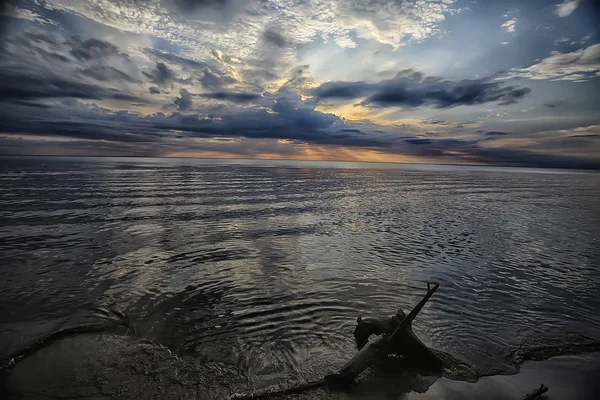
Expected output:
(208, 74)
(52, 47)
(555, 104)
(342, 90)
(288, 118)
(232, 96)
(588, 135)
(418, 141)
(107, 73)
(273, 37)
(69, 118)
(37, 66)
(174, 59)
(298, 76)
(496, 133)
(208, 10)
(412, 89)
(210, 80)
(161, 75)
(90, 49)
(187, 6)
(30, 84)
(185, 101)
(154, 90)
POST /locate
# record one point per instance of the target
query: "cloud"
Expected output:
(173, 59)
(223, 10)
(418, 90)
(236, 26)
(289, 119)
(107, 73)
(394, 23)
(342, 90)
(566, 8)
(185, 101)
(510, 25)
(239, 74)
(554, 104)
(418, 141)
(275, 38)
(211, 80)
(578, 65)
(90, 49)
(161, 75)
(84, 68)
(17, 12)
(497, 133)
(31, 84)
(231, 96)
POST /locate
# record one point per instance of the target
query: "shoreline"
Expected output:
(113, 366)
(569, 377)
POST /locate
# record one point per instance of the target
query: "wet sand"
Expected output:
(570, 377)
(111, 366)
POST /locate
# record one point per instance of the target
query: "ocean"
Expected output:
(264, 266)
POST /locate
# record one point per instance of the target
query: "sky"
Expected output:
(485, 82)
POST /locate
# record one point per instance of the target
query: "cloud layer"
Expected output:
(362, 80)
(417, 90)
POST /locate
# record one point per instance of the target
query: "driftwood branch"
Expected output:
(415, 311)
(379, 346)
(536, 393)
(366, 356)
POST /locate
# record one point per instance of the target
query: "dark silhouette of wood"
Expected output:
(380, 346)
(537, 393)
(375, 348)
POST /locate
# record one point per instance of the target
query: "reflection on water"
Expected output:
(266, 265)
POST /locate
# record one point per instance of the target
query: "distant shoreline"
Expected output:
(390, 165)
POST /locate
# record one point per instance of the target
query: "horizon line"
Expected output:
(313, 160)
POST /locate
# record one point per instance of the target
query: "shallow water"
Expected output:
(266, 265)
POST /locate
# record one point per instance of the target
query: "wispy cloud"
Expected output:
(510, 25)
(578, 65)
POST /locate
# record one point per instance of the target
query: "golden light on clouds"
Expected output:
(353, 111)
(287, 150)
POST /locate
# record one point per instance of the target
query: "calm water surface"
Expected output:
(266, 265)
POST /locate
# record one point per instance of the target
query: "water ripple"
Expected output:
(267, 268)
